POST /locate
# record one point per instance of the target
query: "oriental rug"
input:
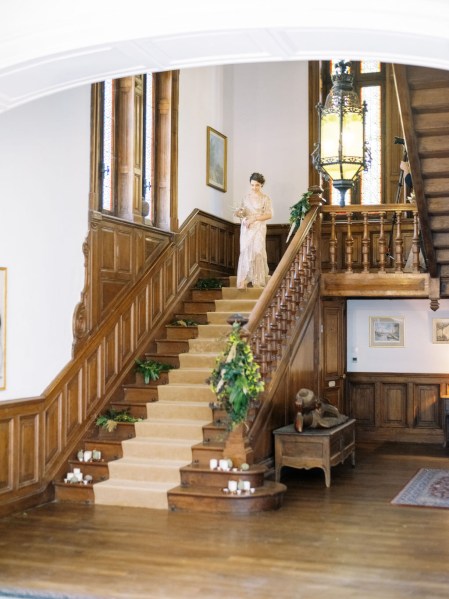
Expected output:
(429, 488)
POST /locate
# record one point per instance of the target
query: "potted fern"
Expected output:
(151, 369)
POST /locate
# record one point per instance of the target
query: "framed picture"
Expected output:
(386, 331)
(2, 327)
(440, 330)
(216, 168)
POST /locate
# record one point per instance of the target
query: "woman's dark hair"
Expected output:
(257, 177)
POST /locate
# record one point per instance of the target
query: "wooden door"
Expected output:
(333, 352)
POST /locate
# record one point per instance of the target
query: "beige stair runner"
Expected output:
(162, 445)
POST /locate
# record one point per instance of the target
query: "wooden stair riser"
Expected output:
(200, 318)
(176, 333)
(201, 295)
(182, 410)
(204, 499)
(202, 454)
(158, 449)
(137, 410)
(186, 376)
(74, 493)
(143, 393)
(110, 450)
(166, 429)
(98, 470)
(196, 476)
(165, 358)
(214, 434)
(162, 380)
(124, 430)
(192, 360)
(152, 472)
(167, 346)
(186, 393)
(193, 308)
(251, 293)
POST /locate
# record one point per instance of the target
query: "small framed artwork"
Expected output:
(216, 167)
(2, 327)
(386, 331)
(440, 330)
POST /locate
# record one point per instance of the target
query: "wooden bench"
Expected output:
(314, 448)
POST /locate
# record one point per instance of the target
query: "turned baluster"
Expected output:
(349, 244)
(305, 266)
(333, 244)
(382, 243)
(415, 243)
(365, 243)
(398, 244)
(309, 262)
(313, 252)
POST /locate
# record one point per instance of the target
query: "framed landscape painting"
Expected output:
(440, 330)
(216, 167)
(386, 331)
(2, 328)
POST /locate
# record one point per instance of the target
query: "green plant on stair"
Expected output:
(208, 284)
(183, 323)
(111, 417)
(236, 379)
(151, 369)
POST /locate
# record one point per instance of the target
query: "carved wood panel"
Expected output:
(6, 429)
(393, 405)
(426, 405)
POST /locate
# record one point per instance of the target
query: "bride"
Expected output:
(254, 211)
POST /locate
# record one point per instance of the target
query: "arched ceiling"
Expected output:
(50, 45)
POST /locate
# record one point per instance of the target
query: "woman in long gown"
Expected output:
(254, 211)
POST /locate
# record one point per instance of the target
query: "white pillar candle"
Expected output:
(213, 464)
(246, 485)
(87, 455)
(76, 470)
(70, 475)
(232, 485)
(224, 465)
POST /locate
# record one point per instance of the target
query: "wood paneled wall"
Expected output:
(38, 435)
(396, 407)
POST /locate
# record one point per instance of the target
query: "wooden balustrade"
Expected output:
(372, 252)
(287, 292)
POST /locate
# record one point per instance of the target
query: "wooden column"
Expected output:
(125, 148)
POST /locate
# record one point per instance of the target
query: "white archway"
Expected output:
(46, 47)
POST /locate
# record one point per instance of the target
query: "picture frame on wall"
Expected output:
(386, 331)
(216, 166)
(2, 327)
(440, 330)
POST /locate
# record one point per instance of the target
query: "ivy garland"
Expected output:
(236, 379)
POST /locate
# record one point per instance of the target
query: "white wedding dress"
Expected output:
(253, 265)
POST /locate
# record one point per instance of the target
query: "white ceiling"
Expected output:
(52, 45)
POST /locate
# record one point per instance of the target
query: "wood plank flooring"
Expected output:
(347, 541)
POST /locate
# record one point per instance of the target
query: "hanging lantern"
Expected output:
(341, 152)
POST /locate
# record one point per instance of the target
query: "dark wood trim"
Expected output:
(314, 99)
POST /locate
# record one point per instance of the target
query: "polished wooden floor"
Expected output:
(342, 542)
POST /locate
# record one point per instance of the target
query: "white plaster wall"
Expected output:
(44, 185)
(418, 355)
(263, 111)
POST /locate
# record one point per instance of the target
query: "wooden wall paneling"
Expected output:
(222, 238)
(333, 352)
(28, 447)
(126, 345)
(142, 314)
(231, 262)
(426, 406)
(73, 400)
(6, 455)
(123, 245)
(182, 266)
(204, 247)
(393, 405)
(110, 365)
(362, 403)
(194, 253)
(170, 279)
(214, 245)
(93, 386)
(52, 416)
(106, 239)
(156, 296)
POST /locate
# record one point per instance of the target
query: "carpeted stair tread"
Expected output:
(132, 493)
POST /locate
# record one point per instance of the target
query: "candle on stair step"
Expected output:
(213, 464)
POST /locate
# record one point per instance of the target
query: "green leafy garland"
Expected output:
(298, 212)
(236, 379)
(109, 419)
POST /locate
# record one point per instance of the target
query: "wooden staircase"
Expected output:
(180, 433)
(423, 95)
